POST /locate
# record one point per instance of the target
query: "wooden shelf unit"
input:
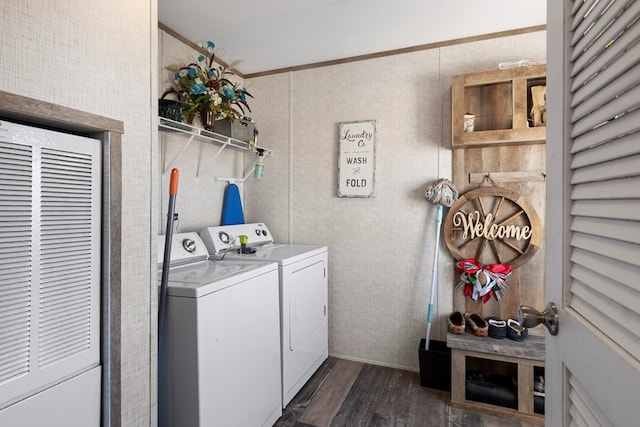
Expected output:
(509, 151)
(526, 355)
(504, 144)
(501, 101)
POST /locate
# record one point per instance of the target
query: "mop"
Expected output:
(442, 193)
(162, 303)
(173, 191)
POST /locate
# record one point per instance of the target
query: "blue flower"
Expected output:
(228, 92)
(192, 72)
(243, 97)
(210, 45)
(212, 74)
(198, 89)
(176, 76)
(200, 58)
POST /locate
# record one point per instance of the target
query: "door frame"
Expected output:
(55, 117)
(557, 185)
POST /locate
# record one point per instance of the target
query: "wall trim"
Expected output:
(401, 51)
(192, 45)
(55, 117)
(383, 54)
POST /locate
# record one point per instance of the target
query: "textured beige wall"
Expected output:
(380, 249)
(99, 57)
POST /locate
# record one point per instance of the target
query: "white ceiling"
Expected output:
(273, 34)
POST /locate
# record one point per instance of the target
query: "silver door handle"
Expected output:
(530, 317)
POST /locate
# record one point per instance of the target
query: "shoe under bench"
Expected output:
(503, 358)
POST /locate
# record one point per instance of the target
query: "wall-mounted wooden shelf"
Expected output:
(501, 101)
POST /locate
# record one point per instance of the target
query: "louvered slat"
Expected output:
(599, 71)
(605, 178)
(581, 9)
(603, 135)
(617, 325)
(581, 26)
(624, 231)
(584, 411)
(623, 188)
(49, 259)
(602, 33)
(588, 81)
(66, 202)
(608, 209)
(624, 102)
(609, 131)
(605, 286)
(15, 261)
(617, 249)
(621, 147)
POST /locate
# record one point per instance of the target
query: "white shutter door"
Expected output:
(594, 153)
(49, 258)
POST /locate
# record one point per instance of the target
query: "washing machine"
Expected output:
(220, 359)
(303, 294)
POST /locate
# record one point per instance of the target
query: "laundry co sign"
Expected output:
(357, 159)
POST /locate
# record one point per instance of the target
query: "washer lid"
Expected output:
(280, 253)
(202, 278)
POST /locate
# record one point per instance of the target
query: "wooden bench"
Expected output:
(497, 356)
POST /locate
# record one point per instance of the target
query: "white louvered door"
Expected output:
(593, 202)
(50, 207)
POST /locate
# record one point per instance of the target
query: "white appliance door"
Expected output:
(222, 360)
(304, 322)
(239, 354)
(50, 208)
(593, 238)
(307, 303)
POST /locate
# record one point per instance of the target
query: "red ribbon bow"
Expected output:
(495, 274)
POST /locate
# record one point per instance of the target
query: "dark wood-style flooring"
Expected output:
(344, 393)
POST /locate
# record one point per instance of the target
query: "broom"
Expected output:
(442, 193)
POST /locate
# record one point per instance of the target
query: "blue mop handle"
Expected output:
(434, 276)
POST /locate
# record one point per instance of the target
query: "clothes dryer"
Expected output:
(303, 295)
(220, 364)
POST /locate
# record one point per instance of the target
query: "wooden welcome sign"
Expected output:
(493, 225)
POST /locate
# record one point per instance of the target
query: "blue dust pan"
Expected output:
(232, 206)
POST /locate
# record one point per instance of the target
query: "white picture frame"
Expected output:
(357, 159)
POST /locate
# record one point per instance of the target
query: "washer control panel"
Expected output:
(185, 247)
(223, 238)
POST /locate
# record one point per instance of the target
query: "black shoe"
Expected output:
(497, 327)
(516, 331)
(538, 386)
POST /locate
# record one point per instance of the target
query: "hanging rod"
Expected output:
(240, 180)
(519, 176)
